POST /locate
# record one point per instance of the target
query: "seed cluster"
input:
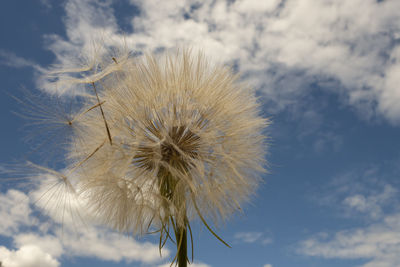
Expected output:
(162, 141)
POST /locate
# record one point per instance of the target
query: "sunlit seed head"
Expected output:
(165, 137)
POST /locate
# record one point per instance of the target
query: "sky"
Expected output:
(327, 74)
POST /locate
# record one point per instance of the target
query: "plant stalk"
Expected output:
(181, 245)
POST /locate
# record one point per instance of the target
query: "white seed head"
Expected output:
(164, 137)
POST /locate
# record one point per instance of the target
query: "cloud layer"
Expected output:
(377, 238)
(252, 237)
(283, 47)
(39, 242)
(378, 243)
(27, 256)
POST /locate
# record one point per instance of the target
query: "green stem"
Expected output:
(168, 187)
(181, 245)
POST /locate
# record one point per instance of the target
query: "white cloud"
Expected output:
(364, 193)
(252, 237)
(268, 265)
(254, 6)
(105, 245)
(267, 241)
(46, 3)
(377, 241)
(27, 256)
(371, 204)
(349, 47)
(14, 212)
(50, 241)
(9, 59)
(248, 237)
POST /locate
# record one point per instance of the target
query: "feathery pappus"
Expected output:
(163, 140)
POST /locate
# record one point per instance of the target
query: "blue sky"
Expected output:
(326, 72)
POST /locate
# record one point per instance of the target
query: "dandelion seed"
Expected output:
(184, 142)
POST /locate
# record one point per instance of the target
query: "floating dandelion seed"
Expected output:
(162, 141)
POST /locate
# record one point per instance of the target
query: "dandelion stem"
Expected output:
(181, 245)
(168, 189)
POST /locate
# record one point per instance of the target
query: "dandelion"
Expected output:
(161, 141)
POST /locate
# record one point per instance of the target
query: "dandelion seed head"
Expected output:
(176, 137)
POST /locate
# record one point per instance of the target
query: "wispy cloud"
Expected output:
(15, 212)
(50, 241)
(378, 243)
(10, 59)
(252, 237)
(363, 192)
(27, 256)
(347, 47)
(371, 204)
(46, 3)
(377, 239)
(248, 237)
